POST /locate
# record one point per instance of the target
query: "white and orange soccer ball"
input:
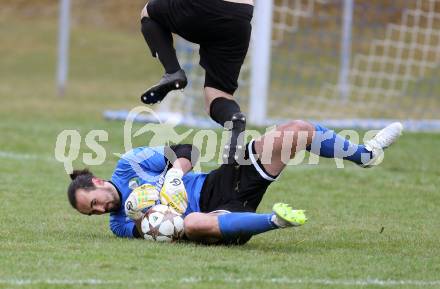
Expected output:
(160, 223)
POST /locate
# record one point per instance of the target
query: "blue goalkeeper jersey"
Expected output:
(147, 165)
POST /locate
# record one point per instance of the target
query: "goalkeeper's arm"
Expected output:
(181, 158)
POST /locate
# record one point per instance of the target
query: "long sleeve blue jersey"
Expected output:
(147, 165)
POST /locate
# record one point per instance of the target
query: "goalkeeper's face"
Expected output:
(100, 200)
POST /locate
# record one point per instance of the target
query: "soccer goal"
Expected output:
(350, 63)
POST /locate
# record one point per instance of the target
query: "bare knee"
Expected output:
(192, 224)
(213, 93)
(302, 129)
(298, 126)
(200, 226)
(144, 12)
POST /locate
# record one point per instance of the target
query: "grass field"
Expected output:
(45, 244)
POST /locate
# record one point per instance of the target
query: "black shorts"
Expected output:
(238, 188)
(223, 30)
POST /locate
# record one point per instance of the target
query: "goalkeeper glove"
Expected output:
(140, 199)
(173, 191)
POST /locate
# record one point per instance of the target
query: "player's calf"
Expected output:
(238, 228)
(329, 144)
(160, 42)
(226, 112)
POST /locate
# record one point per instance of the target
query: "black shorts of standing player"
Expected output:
(238, 188)
(221, 28)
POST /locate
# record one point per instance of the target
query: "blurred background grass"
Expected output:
(108, 70)
(107, 44)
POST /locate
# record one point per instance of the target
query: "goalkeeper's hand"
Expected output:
(173, 191)
(140, 199)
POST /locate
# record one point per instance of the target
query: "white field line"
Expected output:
(195, 280)
(25, 157)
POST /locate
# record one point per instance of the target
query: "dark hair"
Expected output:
(81, 179)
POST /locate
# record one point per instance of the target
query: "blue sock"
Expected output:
(328, 144)
(240, 227)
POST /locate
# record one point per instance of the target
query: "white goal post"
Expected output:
(63, 46)
(261, 54)
(260, 62)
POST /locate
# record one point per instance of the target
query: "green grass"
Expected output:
(43, 239)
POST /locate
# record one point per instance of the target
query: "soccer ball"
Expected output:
(162, 224)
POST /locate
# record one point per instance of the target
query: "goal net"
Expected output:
(351, 62)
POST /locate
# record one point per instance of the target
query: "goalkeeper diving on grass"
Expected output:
(219, 206)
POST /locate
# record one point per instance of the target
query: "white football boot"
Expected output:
(381, 141)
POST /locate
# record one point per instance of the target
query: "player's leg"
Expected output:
(278, 146)
(222, 60)
(225, 110)
(223, 49)
(160, 42)
(238, 190)
(299, 135)
(327, 143)
(238, 228)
